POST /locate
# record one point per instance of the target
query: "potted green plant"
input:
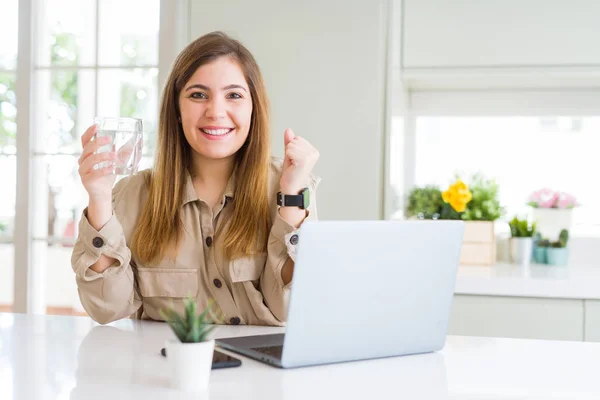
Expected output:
(477, 204)
(558, 253)
(521, 242)
(424, 202)
(190, 356)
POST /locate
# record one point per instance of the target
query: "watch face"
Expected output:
(306, 197)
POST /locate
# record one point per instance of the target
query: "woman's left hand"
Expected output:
(300, 159)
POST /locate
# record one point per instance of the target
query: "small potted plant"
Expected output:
(521, 242)
(552, 210)
(558, 253)
(477, 204)
(190, 356)
(540, 248)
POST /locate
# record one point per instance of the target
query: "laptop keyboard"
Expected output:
(273, 351)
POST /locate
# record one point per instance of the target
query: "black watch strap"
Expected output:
(293, 200)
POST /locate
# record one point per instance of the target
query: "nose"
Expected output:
(216, 108)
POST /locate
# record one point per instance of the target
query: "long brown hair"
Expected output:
(160, 225)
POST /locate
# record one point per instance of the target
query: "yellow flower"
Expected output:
(459, 206)
(457, 195)
(447, 196)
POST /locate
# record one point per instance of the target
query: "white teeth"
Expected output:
(216, 132)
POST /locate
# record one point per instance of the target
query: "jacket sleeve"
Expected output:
(281, 246)
(110, 295)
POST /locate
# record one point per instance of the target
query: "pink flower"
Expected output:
(547, 204)
(567, 201)
(548, 198)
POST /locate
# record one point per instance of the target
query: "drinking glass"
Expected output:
(126, 141)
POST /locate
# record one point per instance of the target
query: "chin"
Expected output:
(217, 155)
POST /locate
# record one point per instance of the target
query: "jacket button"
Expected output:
(217, 283)
(294, 240)
(98, 242)
(235, 321)
(209, 241)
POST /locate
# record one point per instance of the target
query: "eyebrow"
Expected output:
(203, 87)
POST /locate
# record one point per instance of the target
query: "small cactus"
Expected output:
(543, 243)
(563, 239)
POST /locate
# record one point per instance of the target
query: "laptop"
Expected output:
(363, 290)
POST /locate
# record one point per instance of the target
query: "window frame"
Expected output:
(410, 104)
(30, 272)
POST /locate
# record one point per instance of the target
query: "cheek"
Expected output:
(244, 115)
(189, 110)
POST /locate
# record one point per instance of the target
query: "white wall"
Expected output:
(324, 63)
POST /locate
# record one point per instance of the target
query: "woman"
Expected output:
(205, 220)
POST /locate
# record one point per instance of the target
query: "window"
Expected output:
(8, 150)
(522, 153)
(91, 58)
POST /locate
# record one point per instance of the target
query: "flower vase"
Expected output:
(550, 221)
(190, 364)
(540, 254)
(520, 250)
(558, 256)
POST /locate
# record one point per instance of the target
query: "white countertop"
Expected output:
(55, 357)
(568, 282)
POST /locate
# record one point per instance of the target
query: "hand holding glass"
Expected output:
(126, 141)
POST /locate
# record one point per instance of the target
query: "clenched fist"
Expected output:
(300, 159)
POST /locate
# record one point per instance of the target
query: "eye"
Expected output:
(234, 96)
(198, 95)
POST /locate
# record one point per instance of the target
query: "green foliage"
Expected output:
(425, 202)
(448, 212)
(520, 228)
(65, 83)
(8, 127)
(484, 206)
(64, 51)
(190, 327)
(563, 239)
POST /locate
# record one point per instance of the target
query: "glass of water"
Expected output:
(126, 141)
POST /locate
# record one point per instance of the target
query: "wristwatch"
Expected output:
(301, 199)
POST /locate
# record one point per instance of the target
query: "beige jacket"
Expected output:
(246, 290)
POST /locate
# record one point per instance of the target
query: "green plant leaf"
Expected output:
(190, 311)
(425, 202)
(484, 204)
(521, 228)
(189, 326)
(176, 323)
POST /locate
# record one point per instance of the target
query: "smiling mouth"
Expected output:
(217, 132)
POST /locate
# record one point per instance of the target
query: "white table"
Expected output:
(539, 281)
(52, 357)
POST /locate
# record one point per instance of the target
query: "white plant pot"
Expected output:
(190, 364)
(550, 221)
(521, 250)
